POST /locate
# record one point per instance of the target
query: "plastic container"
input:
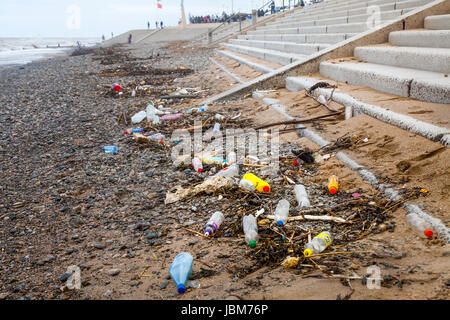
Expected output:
(213, 223)
(229, 172)
(216, 129)
(131, 131)
(247, 185)
(317, 244)
(152, 110)
(282, 212)
(422, 227)
(301, 196)
(110, 149)
(250, 230)
(333, 184)
(180, 269)
(219, 117)
(213, 160)
(197, 164)
(259, 184)
(202, 109)
(172, 116)
(116, 87)
(231, 158)
(138, 117)
(157, 137)
(133, 93)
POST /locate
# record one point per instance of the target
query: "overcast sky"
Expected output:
(92, 18)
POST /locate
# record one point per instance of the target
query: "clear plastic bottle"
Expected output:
(229, 172)
(131, 131)
(197, 164)
(110, 149)
(180, 270)
(231, 158)
(250, 230)
(157, 137)
(216, 129)
(317, 244)
(247, 185)
(301, 196)
(138, 117)
(172, 116)
(420, 225)
(220, 117)
(213, 223)
(282, 212)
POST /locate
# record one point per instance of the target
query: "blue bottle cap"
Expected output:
(280, 223)
(181, 288)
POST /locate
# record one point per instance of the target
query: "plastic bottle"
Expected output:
(228, 172)
(250, 230)
(157, 137)
(301, 196)
(197, 164)
(333, 184)
(247, 185)
(220, 117)
(259, 184)
(116, 87)
(138, 117)
(213, 223)
(172, 116)
(180, 269)
(110, 149)
(420, 225)
(131, 131)
(212, 160)
(133, 93)
(282, 212)
(317, 244)
(231, 158)
(151, 109)
(216, 129)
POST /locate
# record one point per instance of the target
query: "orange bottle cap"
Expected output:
(333, 190)
(428, 233)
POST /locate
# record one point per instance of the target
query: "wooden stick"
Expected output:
(308, 217)
(193, 231)
(342, 252)
(298, 121)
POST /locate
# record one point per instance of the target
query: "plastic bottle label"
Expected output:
(325, 237)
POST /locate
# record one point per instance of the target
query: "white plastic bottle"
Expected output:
(216, 129)
(231, 158)
(282, 212)
(317, 244)
(157, 137)
(422, 227)
(247, 185)
(138, 117)
(213, 223)
(197, 164)
(301, 196)
(228, 172)
(250, 230)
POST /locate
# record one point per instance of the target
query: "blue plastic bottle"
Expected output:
(180, 270)
(110, 149)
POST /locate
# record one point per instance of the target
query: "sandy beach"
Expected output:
(64, 202)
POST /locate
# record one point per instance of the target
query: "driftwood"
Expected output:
(308, 217)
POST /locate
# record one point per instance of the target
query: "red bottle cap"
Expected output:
(266, 189)
(296, 163)
(428, 233)
(333, 190)
(200, 170)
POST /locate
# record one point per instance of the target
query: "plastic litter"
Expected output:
(172, 116)
(301, 196)
(213, 223)
(318, 244)
(231, 158)
(180, 269)
(423, 228)
(250, 230)
(197, 164)
(219, 117)
(333, 184)
(247, 185)
(131, 131)
(228, 172)
(110, 149)
(216, 129)
(213, 160)
(282, 212)
(260, 185)
(138, 117)
(116, 87)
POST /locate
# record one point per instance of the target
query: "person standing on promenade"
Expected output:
(148, 25)
(129, 39)
(272, 7)
(161, 24)
(156, 24)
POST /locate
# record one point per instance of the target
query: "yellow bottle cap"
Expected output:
(307, 253)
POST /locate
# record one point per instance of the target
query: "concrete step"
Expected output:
(266, 54)
(421, 38)
(441, 22)
(301, 48)
(413, 83)
(329, 38)
(428, 59)
(242, 60)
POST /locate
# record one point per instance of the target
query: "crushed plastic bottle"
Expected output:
(247, 185)
(282, 212)
(250, 230)
(216, 129)
(157, 137)
(231, 158)
(110, 149)
(131, 131)
(172, 116)
(259, 184)
(213, 160)
(301, 196)
(138, 117)
(180, 269)
(213, 223)
(151, 109)
(333, 184)
(423, 228)
(317, 244)
(228, 172)
(197, 164)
